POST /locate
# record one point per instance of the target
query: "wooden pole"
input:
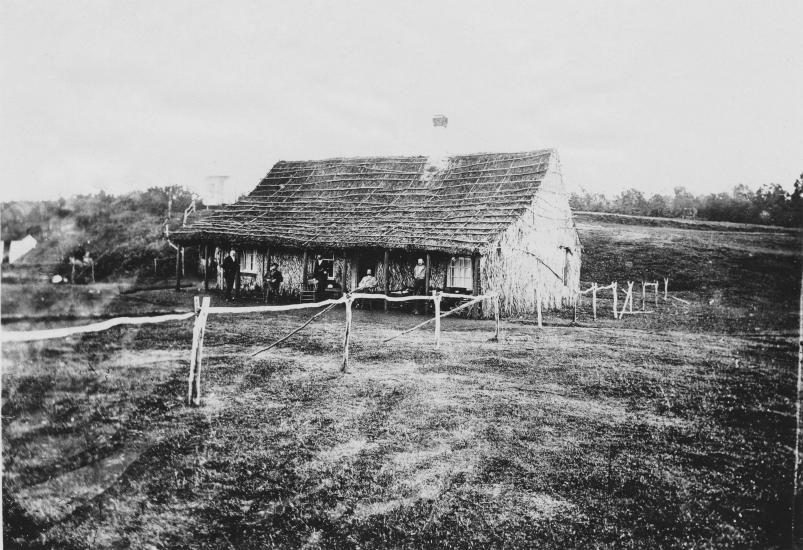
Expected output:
(206, 267)
(344, 367)
(154, 267)
(496, 315)
(538, 306)
(92, 265)
(419, 325)
(196, 354)
(615, 286)
(178, 269)
(436, 299)
(656, 293)
(630, 294)
(594, 299)
(304, 270)
(475, 283)
(666, 288)
(183, 263)
(283, 338)
(426, 281)
(266, 275)
(386, 275)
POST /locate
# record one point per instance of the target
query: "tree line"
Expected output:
(770, 204)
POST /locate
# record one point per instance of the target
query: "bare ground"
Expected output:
(669, 429)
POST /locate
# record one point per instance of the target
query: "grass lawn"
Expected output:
(670, 429)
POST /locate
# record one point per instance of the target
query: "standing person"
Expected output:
(274, 280)
(419, 282)
(321, 275)
(231, 270)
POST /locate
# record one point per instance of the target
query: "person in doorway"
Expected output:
(321, 276)
(419, 282)
(231, 269)
(274, 281)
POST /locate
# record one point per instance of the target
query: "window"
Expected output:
(459, 273)
(248, 263)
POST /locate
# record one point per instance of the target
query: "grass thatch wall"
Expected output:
(531, 253)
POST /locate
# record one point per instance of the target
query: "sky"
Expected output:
(128, 95)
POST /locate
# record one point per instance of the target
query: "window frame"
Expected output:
(466, 275)
(245, 256)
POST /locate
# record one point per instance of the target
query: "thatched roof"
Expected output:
(458, 204)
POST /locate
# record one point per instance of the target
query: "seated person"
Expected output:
(367, 283)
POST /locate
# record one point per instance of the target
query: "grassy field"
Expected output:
(669, 429)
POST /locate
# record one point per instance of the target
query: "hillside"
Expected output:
(122, 233)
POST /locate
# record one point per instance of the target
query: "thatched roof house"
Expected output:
(486, 221)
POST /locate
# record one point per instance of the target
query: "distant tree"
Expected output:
(658, 206)
(631, 202)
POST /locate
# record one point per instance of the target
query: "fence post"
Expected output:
(436, 299)
(197, 352)
(615, 286)
(345, 364)
(497, 313)
(656, 293)
(666, 289)
(630, 293)
(594, 299)
(538, 306)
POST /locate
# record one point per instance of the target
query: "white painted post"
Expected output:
(197, 352)
(594, 299)
(615, 286)
(666, 289)
(436, 299)
(203, 315)
(345, 364)
(538, 306)
(630, 294)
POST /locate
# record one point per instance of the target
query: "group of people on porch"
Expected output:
(272, 280)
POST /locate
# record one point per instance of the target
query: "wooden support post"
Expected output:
(426, 281)
(344, 367)
(594, 299)
(183, 263)
(178, 269)
(154, 267)
(266, 276)
(386, 275)
(666, 289)
(206, 267)
(628, 300)
(196, 354)
(475, 284)
(538, 306)
(615, 286)
(643, 296)
(92, 266)
(496, 315)
(656, 293)
(436, 299)
(304, 269)
(630, 294)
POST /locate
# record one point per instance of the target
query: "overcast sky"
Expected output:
(127, 95)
